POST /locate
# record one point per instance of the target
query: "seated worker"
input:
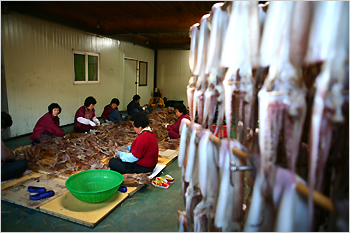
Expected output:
(180, 112)
(48, 125)
(134, 105)
(155, 103)
(156, 90)
(85, 119)
(111, 112)
(10, 168)
(143, 156)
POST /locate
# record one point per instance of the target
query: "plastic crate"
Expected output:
(221, 133)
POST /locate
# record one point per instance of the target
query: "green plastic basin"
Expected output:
(94, 186)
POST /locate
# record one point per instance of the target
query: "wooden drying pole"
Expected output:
(318, 197)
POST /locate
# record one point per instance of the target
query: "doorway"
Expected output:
(130, 81)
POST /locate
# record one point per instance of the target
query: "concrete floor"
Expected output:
(149, 209)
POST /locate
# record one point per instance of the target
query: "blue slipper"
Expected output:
(35, 189)
(42, 195)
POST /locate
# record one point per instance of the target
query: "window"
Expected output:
(143, 73)
(86, 67)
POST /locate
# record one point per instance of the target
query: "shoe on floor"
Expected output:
(162, 183)
(169, 178)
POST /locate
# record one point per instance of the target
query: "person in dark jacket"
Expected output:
(48, 126)
(143, 152)
(111, 112)
(10, 168)
(85, 119)
(134, 105)
(180, 112)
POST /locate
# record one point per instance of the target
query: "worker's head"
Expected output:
(180, 109)
(136, 98)
(140, 121)
(114, 103)
(90, 102)
(156, 95)
(6, 121)
(54, 109)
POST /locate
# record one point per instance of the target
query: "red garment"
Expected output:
(145, 148)
(107, 111)
(6, 154)
(174, 129)
(47, 123)
(79, 127)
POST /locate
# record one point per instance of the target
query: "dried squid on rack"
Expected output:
(273, 70)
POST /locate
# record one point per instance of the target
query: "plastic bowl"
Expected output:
(94, 186)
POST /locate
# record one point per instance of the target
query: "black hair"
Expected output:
(136, 97)
(156, 94)
(181, 108)
(139, 119)
(6, 120)
(115, 101)
(54, 105)
(89, 100)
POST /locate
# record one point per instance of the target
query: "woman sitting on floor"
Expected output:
(155, 103)
(143, 155)
(10, 167)
(85, 119)
(48, 125)
(180, 112)
(111, 112)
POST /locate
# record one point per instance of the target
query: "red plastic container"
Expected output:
(221, 133)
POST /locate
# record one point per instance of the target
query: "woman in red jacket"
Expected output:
(85, 119)
(142, 155)
(48, 125)
(180, 112)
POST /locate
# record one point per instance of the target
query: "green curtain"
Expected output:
(92, 68)
(79, 67)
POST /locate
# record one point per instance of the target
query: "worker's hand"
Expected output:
(117, 153)
(107, 121)
(143, 108)
(166, 124)
(92, 123)
(98, 122)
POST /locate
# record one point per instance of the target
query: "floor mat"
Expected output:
(64, 204)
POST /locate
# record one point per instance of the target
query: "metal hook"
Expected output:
(235, 168)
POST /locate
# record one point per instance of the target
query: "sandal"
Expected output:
(169, 178)
(162, 183)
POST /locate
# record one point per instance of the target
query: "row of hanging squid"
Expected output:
(280, 78)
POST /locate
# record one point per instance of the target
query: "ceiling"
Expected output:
(152, 24)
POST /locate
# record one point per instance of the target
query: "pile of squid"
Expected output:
(77, 152)
(277, 76)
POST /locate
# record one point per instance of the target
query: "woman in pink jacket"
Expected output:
(48, 125)
(180, 112)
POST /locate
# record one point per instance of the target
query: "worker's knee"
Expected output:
(22, 165)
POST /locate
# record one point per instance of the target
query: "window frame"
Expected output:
(86, 54)
(139, 82)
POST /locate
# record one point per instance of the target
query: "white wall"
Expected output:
(173, 73)
(38, 63)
